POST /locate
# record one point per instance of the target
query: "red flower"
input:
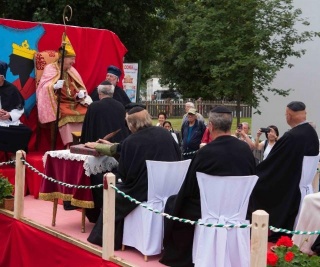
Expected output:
(272, 258)
(289, 256)
(284, 241)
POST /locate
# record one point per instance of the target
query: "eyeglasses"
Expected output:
(111, 76)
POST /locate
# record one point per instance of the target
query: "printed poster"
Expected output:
(130, 80)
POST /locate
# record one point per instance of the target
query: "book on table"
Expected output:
(82, 149)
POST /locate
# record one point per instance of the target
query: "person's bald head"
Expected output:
(296, 113)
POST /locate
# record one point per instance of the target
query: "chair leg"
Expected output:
(54, 214)
(83, 221)
(145, 258)
(123, 248)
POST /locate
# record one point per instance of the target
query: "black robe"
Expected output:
(225, 156)
(151, 143)
(103, 117)
(119, 95)
(14, 137)
(277, 190)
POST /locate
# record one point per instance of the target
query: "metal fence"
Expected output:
(176, 108)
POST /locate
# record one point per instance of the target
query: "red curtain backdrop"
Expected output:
(95, 49)
(22, 245)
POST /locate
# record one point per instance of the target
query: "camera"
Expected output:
(239, 126)
(265, 130)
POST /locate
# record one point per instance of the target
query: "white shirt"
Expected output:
(15, 115)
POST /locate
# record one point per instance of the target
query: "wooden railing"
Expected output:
(177, 108)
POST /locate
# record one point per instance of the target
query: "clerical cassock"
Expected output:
(148, 143)
(224, 156)
(13, 134)
(103, 117)
(277, 190)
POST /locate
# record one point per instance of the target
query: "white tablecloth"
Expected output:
(91, 164)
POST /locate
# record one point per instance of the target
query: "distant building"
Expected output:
(157, 92)
(153, 85)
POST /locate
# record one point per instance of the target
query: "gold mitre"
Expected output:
(23, 50)
(68, 50)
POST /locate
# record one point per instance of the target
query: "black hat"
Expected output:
(114, 70)
(3, 68)
(135, 110)
(106, 83)
(221, 109)
(296, 106)
(133, 105)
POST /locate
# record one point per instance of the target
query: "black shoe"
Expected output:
(67, 206)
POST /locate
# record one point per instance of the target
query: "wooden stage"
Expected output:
(38, 214)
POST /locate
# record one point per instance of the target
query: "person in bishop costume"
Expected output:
(74, 98)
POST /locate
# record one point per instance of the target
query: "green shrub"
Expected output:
(6, 188)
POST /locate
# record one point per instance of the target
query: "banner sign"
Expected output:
(95, 50)
(130, 80)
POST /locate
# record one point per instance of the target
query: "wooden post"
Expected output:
(19, 185)
(108, 217)
(259, 238)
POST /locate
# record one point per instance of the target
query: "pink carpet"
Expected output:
(69, 223)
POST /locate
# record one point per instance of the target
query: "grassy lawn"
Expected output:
(176, 123)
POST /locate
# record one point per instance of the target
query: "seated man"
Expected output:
(13, 134)
(146, 142)
(73, 95)
(224, 156)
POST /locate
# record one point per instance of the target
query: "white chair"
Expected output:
(309, 170)
(143, 229)
(309, 220)
(224, 200)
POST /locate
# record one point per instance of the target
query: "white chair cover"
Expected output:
(309, 170)
(309, 220)
(143, 229)
(224, 200)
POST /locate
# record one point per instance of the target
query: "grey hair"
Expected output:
(106, 89)
(139, 120)
(221, 121)
(245, 123)
(190, 104)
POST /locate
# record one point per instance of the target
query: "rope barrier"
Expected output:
(11, 162)
(189, 153)
(168, 216)
(297, 232)
(59, 182)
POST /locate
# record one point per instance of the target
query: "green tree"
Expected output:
(232, 49)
